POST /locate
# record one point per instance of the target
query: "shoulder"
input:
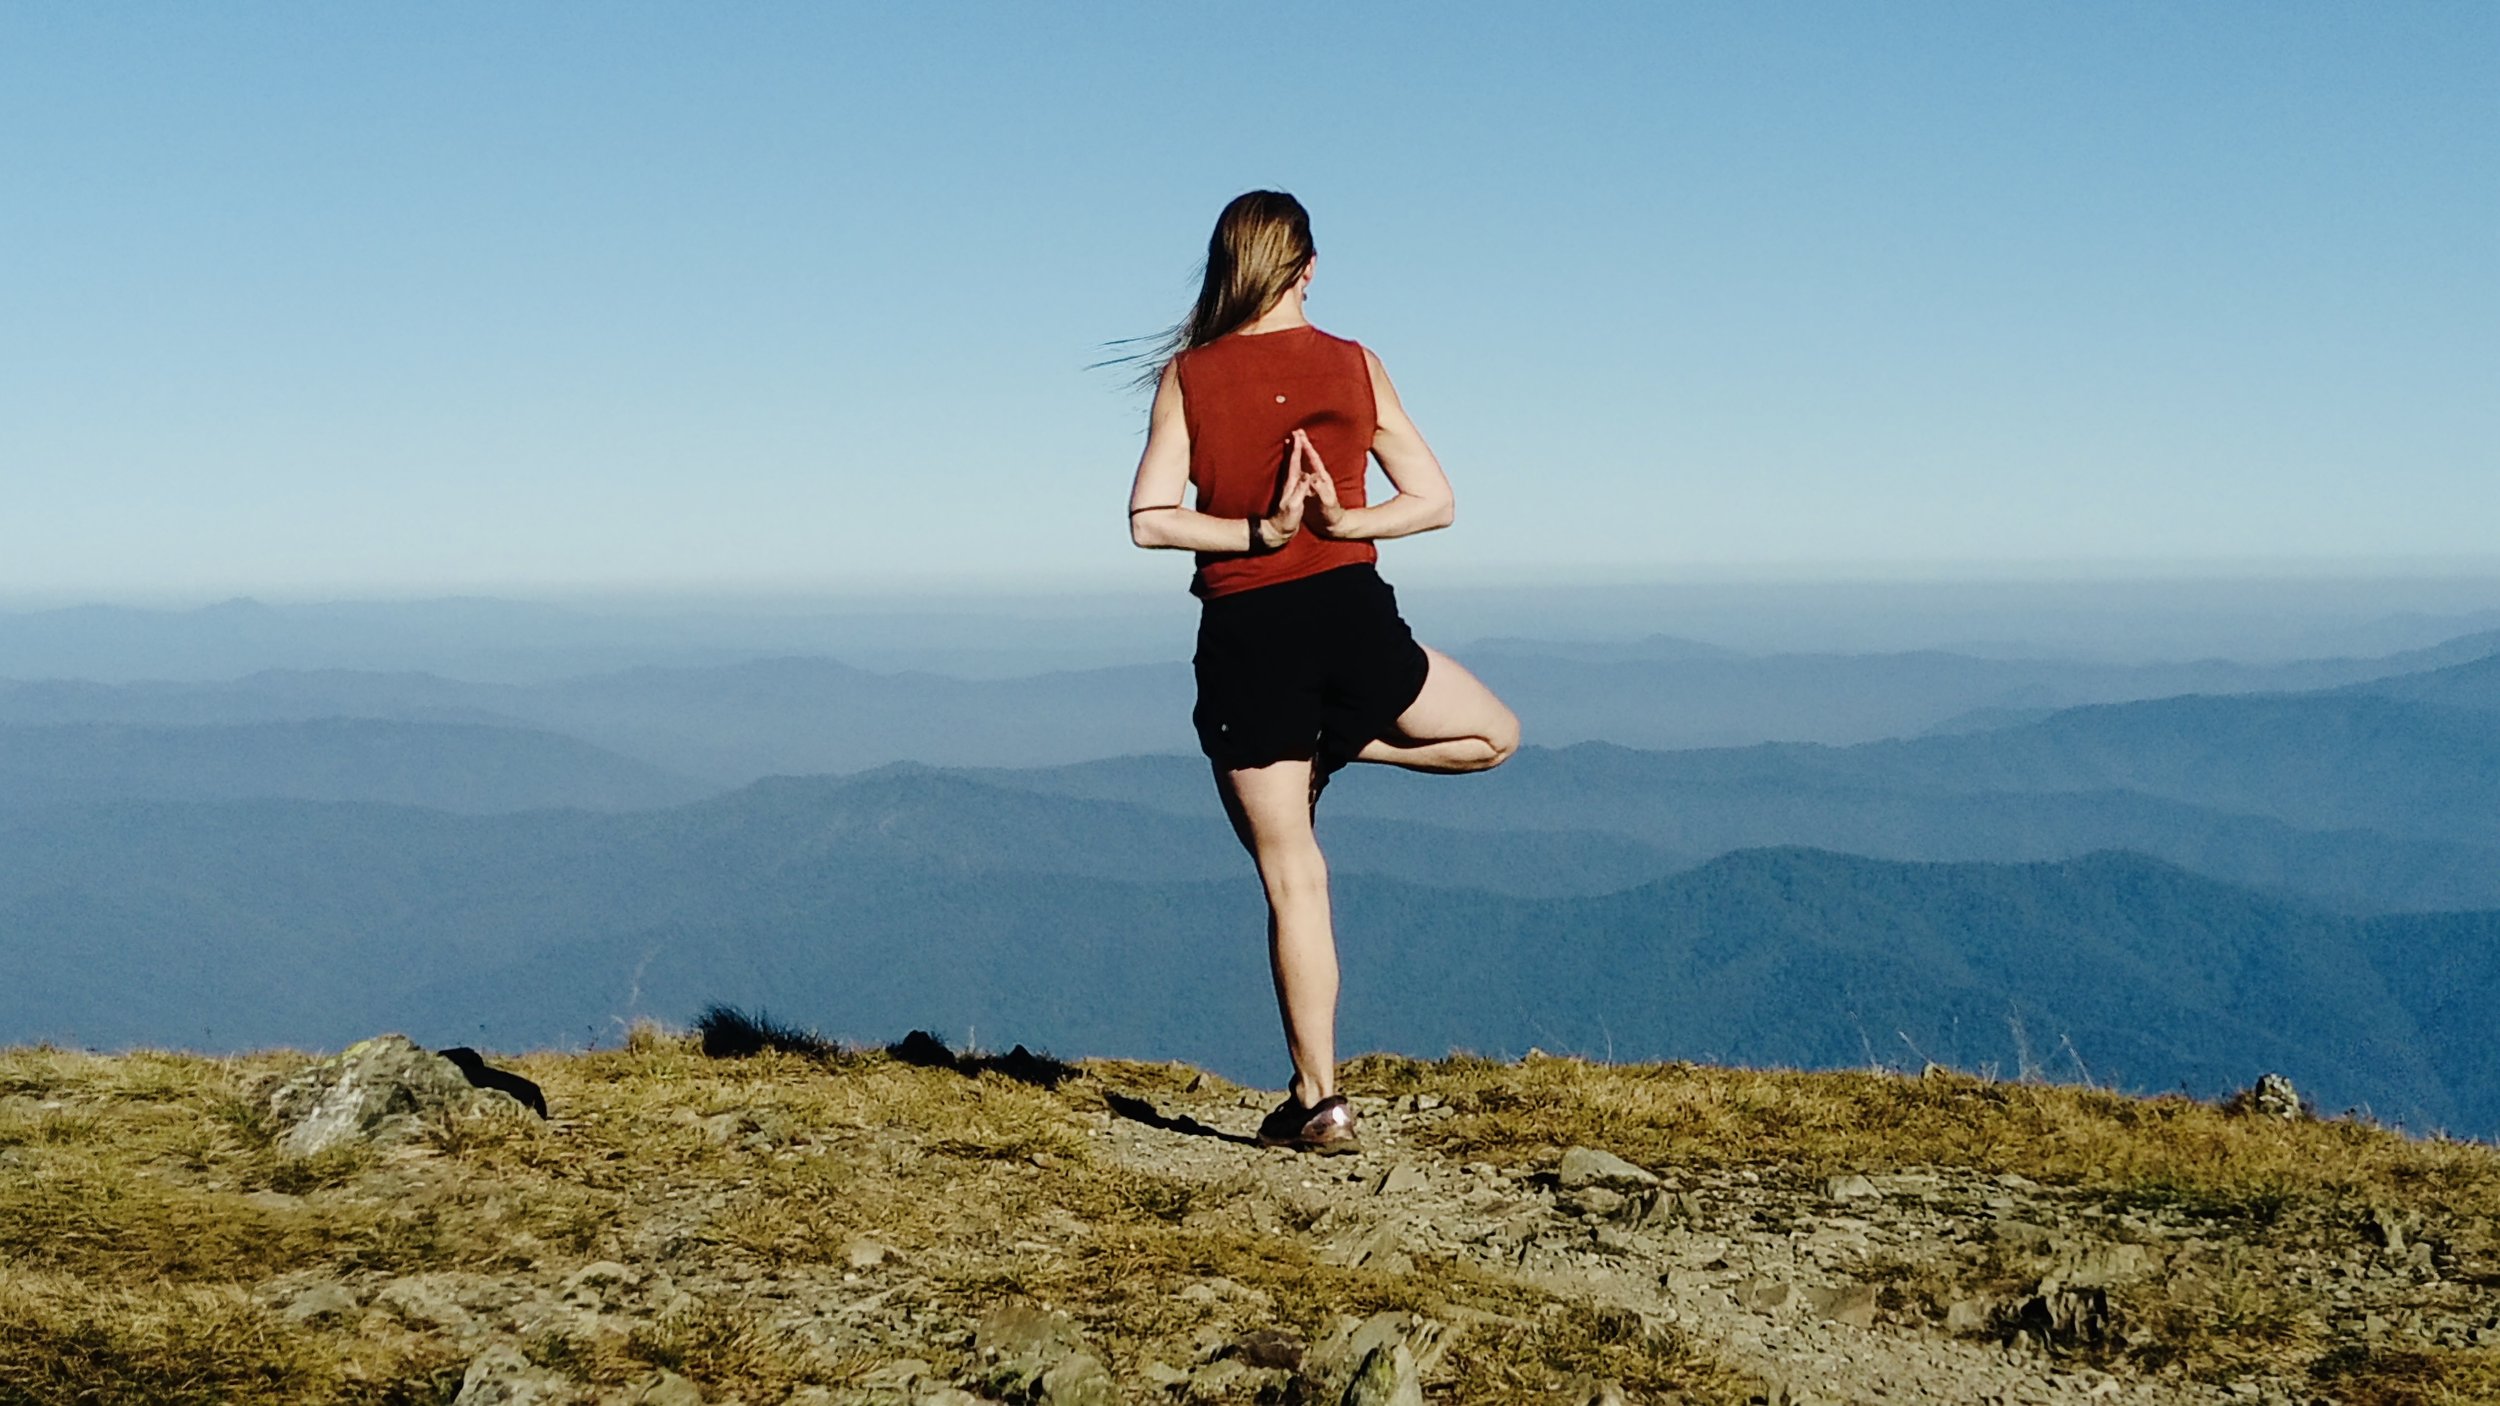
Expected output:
(1346, 346)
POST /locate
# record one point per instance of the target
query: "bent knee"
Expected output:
(1501, 741)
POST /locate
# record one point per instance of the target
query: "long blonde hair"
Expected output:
(1261, 245)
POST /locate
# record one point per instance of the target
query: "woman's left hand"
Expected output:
(1325, 511)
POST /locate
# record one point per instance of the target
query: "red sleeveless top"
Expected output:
(1243, 395)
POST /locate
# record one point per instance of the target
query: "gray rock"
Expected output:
(1848, 1188)
(1850, 1304)
(2100, 1266)
(894, 1374)
(379, 1091)
(1593, 1201)
(1396, 1349)
(422, 1302)
(867, 1254)
(2068, 1318)
(318, 1301)
(1373, 1247)
(1399, 1179)
(1263, 1347)
(1768, 1295)
(1587, 1166)
(1041, 1356)
(1386, 1377)
(666, 1388)
(1972, 1315)
(1078, 1379)
(501, 1376)
(2385, 1227)
(1021, 1330)
(598, 1279)
(2272, 1096)
(1613, 1240)
(1232, 1379)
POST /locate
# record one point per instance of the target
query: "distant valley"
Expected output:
(2150, 875)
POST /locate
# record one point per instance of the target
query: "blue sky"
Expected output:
(397, 299)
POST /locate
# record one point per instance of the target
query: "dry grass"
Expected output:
(140, 1203)
(2376, 1377)
(2168, 1151)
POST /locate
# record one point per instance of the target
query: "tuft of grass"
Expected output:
(726, 1032)
(62, 1340)
(2368, 1376)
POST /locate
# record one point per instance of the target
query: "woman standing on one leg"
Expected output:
(1303, 664)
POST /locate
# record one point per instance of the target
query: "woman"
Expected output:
(1303, 664)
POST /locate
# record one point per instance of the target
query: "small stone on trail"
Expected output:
(1401, 1178)
(867, 1254)
(1848, 1188)
(501, 1376)
(1593, 1201)
(1587, 1166)
(1768, 1295)
(1850, 1304)
(666, 1388)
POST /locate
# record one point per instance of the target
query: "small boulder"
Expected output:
(1850, 1304)
(1041, 1356)
(1376, 1361)
(2069, 1318)
(1401, 1178)
(1079, 1379)
(1971, 1315)
(1588, 1166)
(501, 1376)
(2272, 1096)
(422, 1302)
(318, 1301)
(1386, 1377)
(1772, 1296)
(377, 1091)
(867, 1254)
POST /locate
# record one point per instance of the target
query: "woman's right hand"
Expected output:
(1283, 523)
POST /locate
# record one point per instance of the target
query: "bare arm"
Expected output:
(1423, 500)
(1156, 516)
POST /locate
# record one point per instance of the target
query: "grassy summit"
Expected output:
(846, 1228)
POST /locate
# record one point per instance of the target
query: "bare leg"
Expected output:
(1271, 811)
(1455, 724)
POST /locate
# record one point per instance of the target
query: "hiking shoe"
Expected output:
(1327, 1127)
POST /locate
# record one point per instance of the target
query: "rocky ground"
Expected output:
(1920, 1285)
(874, 1233)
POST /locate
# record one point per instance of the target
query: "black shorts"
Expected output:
(1315, 667)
